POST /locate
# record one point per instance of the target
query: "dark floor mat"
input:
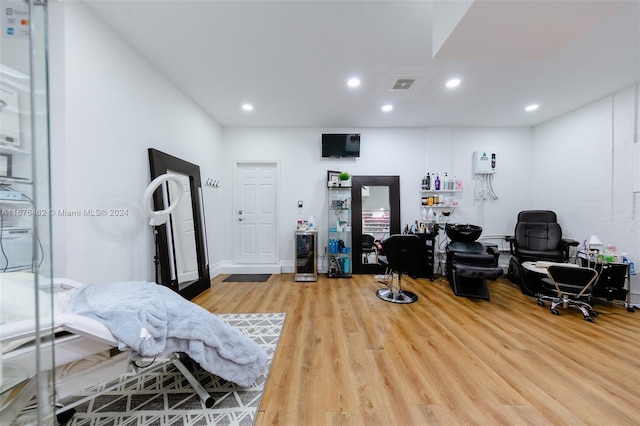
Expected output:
(245, 278)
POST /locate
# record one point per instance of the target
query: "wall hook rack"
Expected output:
(214, 183)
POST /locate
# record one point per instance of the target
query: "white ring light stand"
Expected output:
(158, 218)
(161, 217)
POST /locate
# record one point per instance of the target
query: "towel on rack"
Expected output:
(152, 320)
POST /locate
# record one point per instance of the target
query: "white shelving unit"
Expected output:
(442, 201)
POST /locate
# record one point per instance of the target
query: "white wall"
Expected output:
(408, 153)
(583, 162)
(109, 106)
(451, 150)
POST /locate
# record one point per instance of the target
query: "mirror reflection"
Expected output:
(375, 219)
(376, 215)
(183, 229)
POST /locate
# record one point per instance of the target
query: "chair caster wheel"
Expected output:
(589, 319)
(594, 314)
(540, 303)
(630, 309)
(554, 311)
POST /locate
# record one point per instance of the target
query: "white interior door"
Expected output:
(254, 215)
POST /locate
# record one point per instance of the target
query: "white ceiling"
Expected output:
(291, 59)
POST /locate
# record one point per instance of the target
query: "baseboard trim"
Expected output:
(245, 269)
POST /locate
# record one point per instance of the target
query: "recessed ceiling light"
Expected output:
(353, 82)
(532, 107)
(454, 82)
(247, 107)
(387, 107)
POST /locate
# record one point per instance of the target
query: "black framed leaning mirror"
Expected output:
(375, 215)
(181, 258)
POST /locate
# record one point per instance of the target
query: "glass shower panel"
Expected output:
(26, 290)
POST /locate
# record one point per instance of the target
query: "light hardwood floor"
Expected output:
(346, 357)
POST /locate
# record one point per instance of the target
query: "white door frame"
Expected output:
(257, 268)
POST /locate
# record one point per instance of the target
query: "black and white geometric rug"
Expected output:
(164, 397)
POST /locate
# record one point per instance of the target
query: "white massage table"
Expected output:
(78, 339)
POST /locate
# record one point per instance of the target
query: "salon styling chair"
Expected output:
(572, 286)
(402, 253)
(537, 237)
(469, 263)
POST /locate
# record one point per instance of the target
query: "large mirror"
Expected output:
(376, 215)
(181, 247)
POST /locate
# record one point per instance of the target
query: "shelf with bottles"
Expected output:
(339, 259)
(440, 206)
(440, 191)
(339, 232)
(442, 215)
(431, 182)
(438, 200)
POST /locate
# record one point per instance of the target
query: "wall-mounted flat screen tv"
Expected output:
(340, 145)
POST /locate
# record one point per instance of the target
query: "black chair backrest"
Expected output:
(538, 230)
(404, 252)
(612, 275)
(367, 241)
(565, 277)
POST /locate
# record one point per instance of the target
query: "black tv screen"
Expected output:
(339, 145)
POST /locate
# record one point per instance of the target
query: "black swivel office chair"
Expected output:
(402, 253)
(572, 286)
(469, 263)
(537, 237)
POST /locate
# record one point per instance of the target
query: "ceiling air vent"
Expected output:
(403, 83)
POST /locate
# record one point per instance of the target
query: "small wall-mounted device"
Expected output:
(300, 204)
(484, 163)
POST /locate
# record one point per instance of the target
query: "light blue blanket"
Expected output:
(152, 320)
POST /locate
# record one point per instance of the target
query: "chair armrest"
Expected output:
(511, 239)
(493, 252)
(570, 242)
(566, 244)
